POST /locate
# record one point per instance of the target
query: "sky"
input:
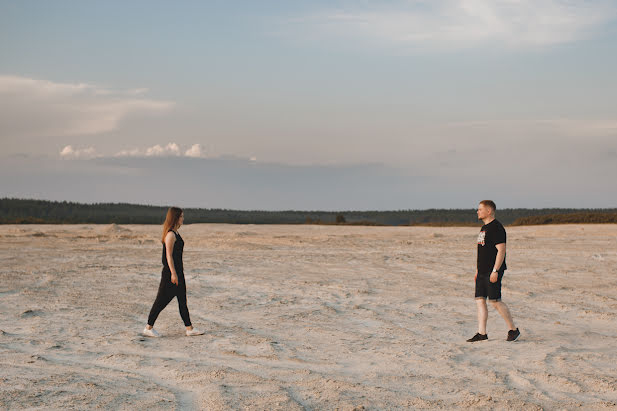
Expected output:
(331, 105)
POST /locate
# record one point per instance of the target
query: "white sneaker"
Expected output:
(194, 331)
(151, 333)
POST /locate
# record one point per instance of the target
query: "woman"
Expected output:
(172, 278)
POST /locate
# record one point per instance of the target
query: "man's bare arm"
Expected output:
(501, 255)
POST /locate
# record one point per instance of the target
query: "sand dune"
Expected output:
(305, 317)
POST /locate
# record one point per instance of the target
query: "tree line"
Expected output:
(26, 211)
(574, 218)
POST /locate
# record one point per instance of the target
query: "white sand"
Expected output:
(306, 317)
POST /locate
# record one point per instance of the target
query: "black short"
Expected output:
(484, 287)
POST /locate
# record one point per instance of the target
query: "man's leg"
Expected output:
(482, 315)
(494, 296)
(502, 308)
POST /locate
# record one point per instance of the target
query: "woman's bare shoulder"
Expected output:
(170, 237)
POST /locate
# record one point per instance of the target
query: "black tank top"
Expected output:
(176, 255)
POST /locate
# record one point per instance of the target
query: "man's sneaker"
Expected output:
(478, 337)
(513, 335)
(194, 331)
(151, 333)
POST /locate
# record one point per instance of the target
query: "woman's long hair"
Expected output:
(171, 221)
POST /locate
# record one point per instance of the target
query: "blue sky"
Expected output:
(423, 103)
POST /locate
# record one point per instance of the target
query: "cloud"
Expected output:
(70, 153)
(195, 151)
(67, 109)
(170, 150)
(130, 92)
(586, 128)
(563, 127)
(460, 24)
(129, 153)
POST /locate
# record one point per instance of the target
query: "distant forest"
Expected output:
(574, 218)
(20, 211)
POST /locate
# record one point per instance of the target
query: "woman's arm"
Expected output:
(170, 240)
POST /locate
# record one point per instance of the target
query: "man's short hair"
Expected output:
(489, 203)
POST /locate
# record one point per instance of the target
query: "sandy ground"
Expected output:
(305, 317)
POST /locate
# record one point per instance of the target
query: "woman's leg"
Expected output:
(184, 310)
(163, 297)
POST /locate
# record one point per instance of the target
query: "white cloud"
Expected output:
(456, 24)
(195, 151)
(170, 149)
(67, 109)
(70, 153)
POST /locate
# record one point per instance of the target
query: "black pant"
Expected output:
(167, 292)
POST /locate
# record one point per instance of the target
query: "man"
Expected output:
(490, 269)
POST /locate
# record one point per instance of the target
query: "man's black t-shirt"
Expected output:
(490, 235)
